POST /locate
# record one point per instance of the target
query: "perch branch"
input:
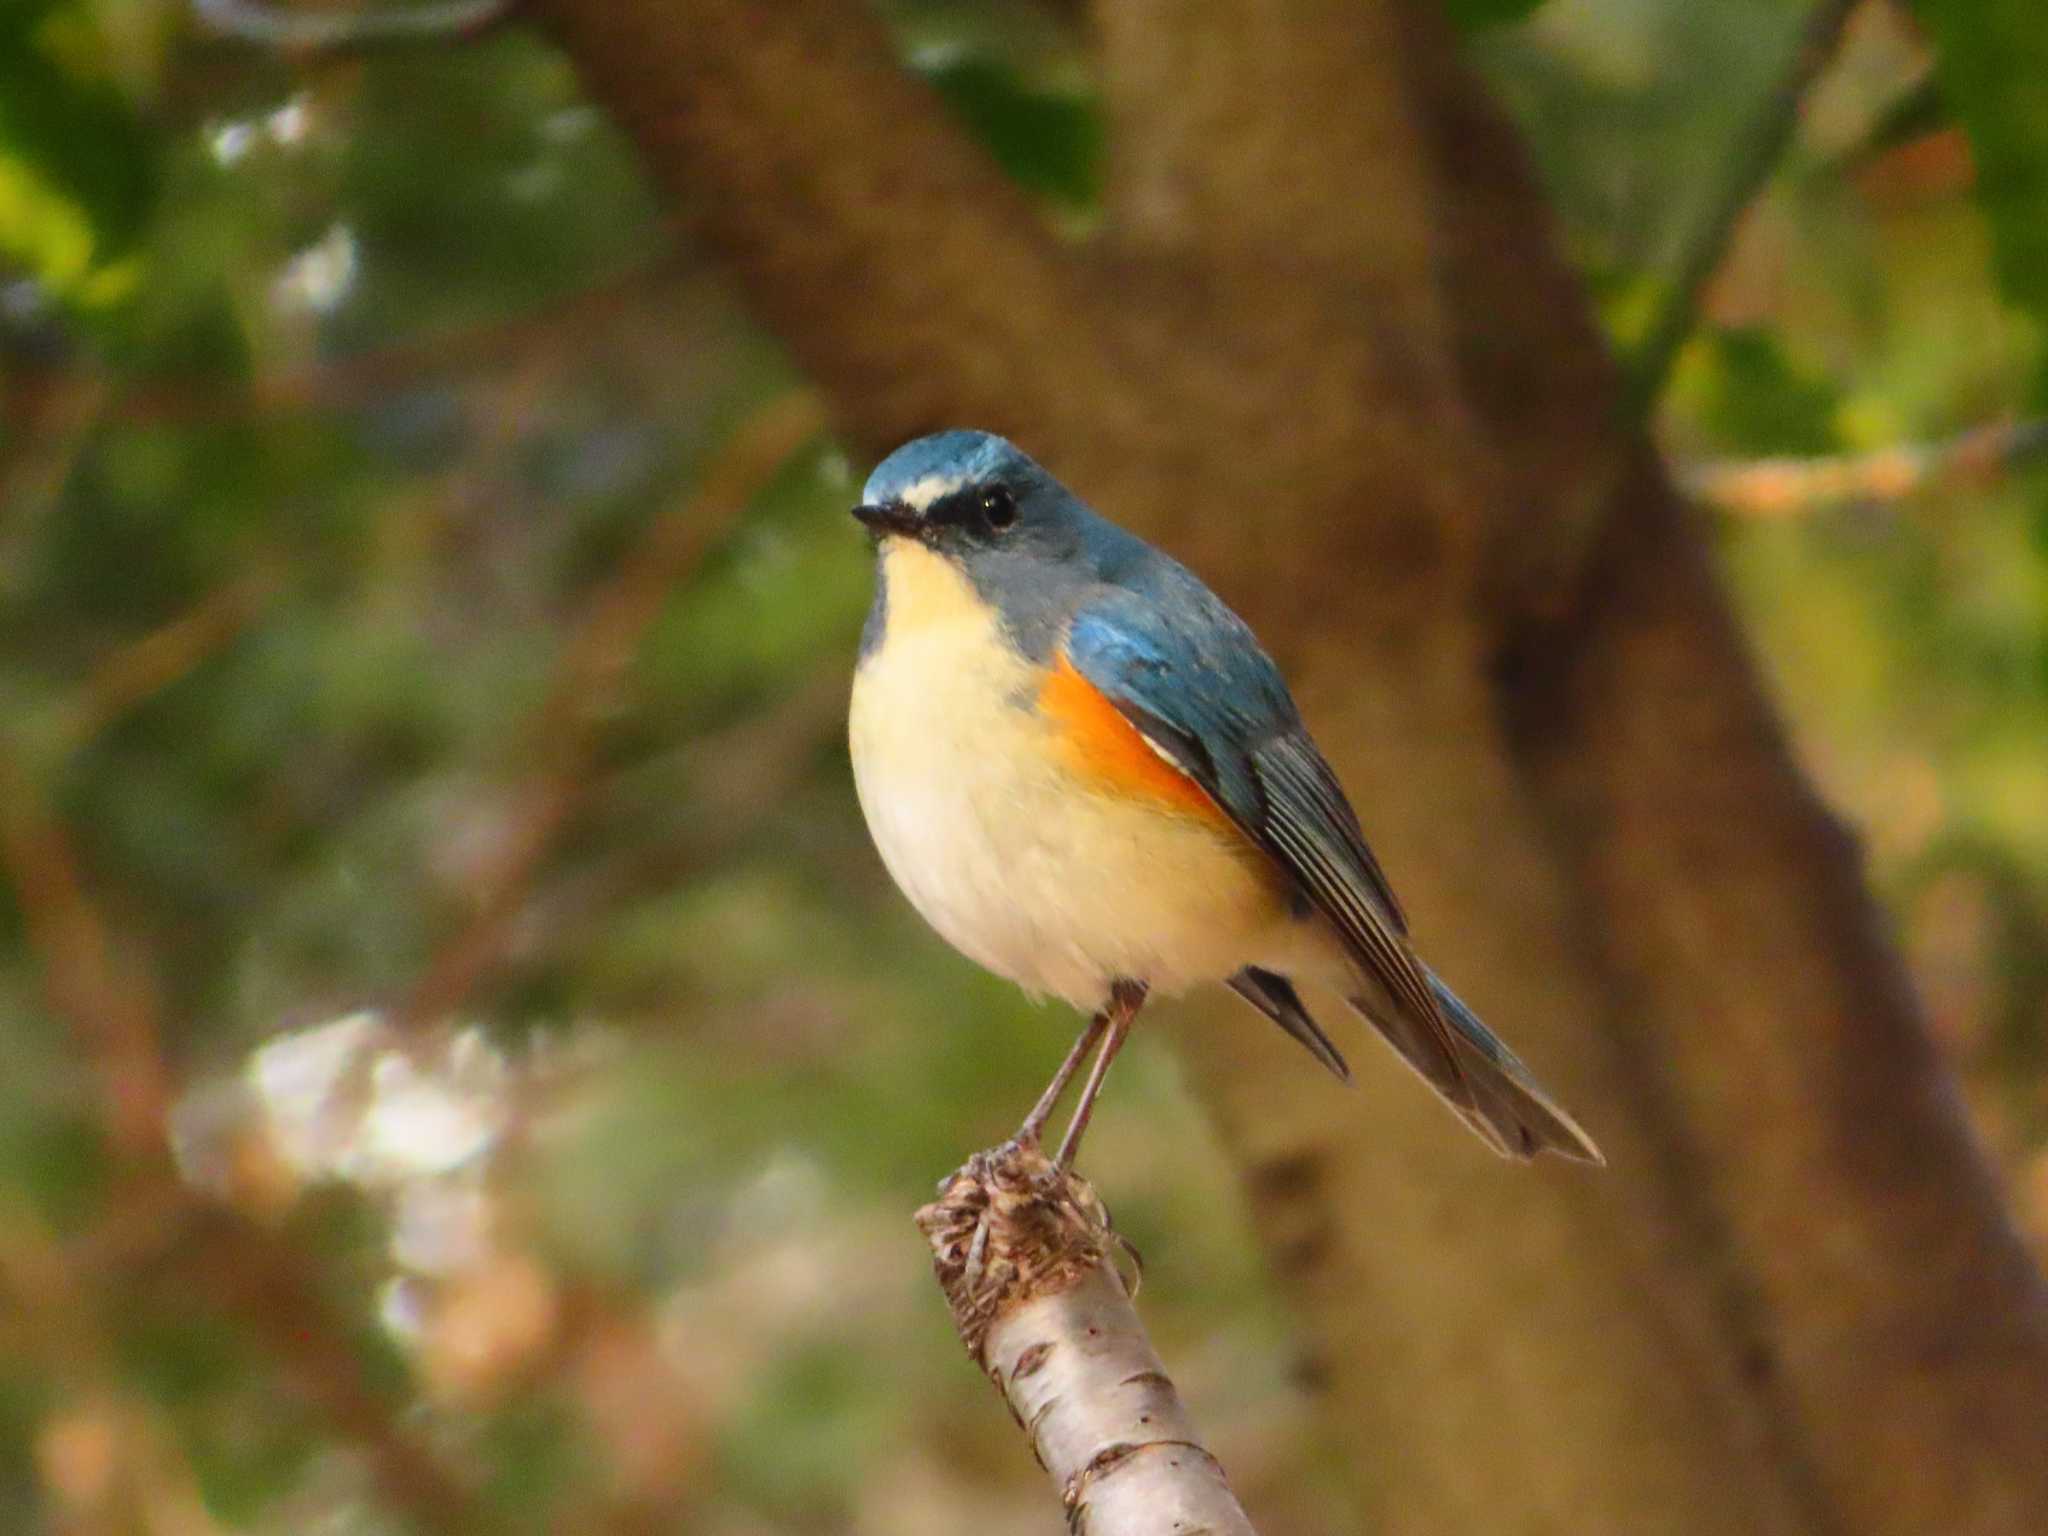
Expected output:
(1022, 1251)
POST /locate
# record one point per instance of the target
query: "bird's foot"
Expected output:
(977, 1253)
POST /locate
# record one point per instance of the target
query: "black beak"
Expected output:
(887, 517)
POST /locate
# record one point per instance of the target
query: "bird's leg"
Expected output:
(1125, 999)
(1034, 1123)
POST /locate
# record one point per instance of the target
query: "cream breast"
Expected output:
(1041, 878)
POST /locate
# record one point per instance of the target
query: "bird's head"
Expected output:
(969, 518)
(964, 495)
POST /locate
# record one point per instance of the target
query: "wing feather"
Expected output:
(1213, 702)
(1298, 832)
(1292, 759)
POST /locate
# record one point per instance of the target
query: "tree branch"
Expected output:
(1533, 362)
(589, 677)
(588, 320)
(91, 984)
(111, 1005)
(1267, 200)
(166, 655)
(1766, 489)
(908, 276)
(220, 1259)
(1754, 155)
(1264, 133)
(133, 1476)
(1807, 1101)
(1022, 1252)
(352, 26)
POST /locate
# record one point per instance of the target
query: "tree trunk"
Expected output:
(1326, 354)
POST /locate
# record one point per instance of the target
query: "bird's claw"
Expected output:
(977, 1253)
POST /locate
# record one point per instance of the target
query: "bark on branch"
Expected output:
(1023, 1252)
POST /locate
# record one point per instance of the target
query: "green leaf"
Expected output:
(77, 171)
(1754, 396)
(1048, 140)
(1992, 58)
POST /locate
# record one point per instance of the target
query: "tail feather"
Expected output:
(1275, 997)
(1486, 1082)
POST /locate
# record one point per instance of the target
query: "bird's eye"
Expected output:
(998, 507)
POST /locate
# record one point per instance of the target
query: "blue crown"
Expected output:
(965, 458)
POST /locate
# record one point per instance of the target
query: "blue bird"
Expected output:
(1084, 772)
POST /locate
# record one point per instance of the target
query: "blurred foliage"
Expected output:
(340, 391)
(1993, 64)
(77, 167)
(1488, 13)
(1747, 388)
(1048, 140)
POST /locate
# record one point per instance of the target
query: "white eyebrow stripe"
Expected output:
(920, 494)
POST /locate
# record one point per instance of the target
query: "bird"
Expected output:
(1084, 772)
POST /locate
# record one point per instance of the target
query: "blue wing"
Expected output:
(1188, 673)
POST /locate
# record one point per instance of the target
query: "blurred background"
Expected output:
(426, 611)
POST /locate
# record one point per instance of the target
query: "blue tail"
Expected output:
(1505, 1093)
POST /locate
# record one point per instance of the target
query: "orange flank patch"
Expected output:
(1102, 745)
